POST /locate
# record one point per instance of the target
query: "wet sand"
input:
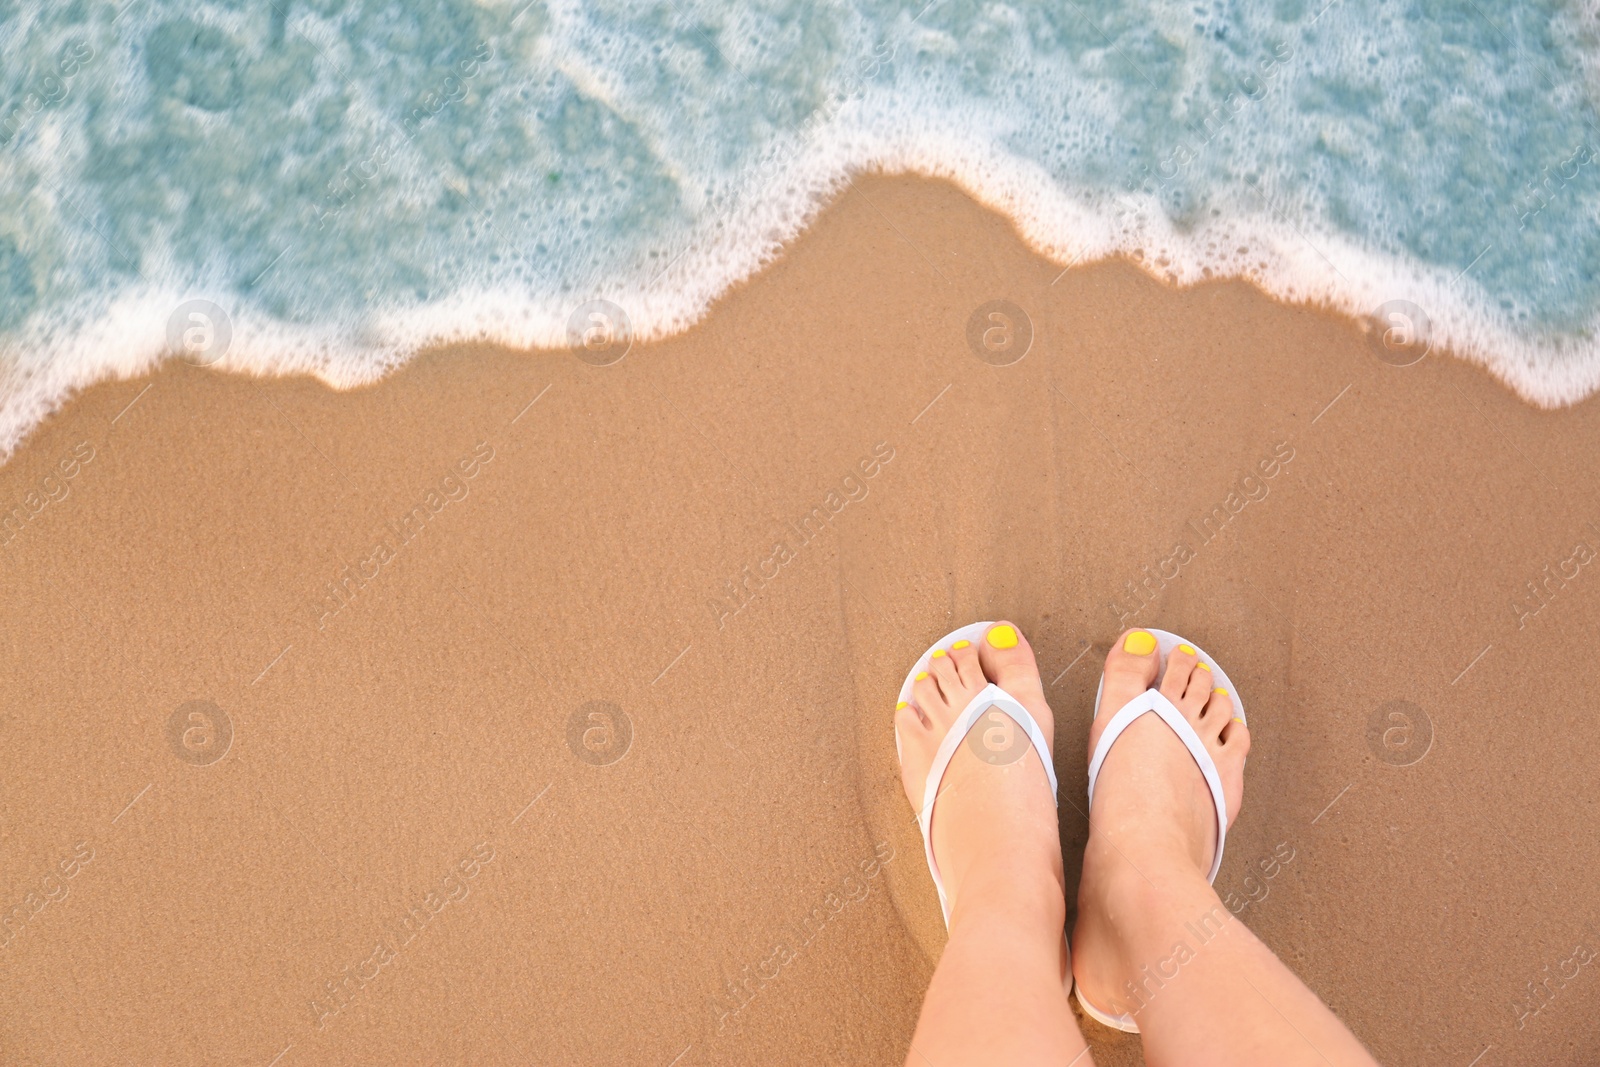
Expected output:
(521, 710)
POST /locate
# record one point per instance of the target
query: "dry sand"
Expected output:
(415, 747)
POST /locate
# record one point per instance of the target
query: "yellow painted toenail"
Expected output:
(961, 644)
(1202, 666)
(1003, 637)
(1139, 643)
(921, 676)
(902, 705)
(1224, 692)
(1238, 720)
(937, 653)
(1188, 651)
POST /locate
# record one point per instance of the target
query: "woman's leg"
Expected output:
(999, 993)
(1152, 938)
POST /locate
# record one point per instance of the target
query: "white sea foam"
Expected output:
(351, 185)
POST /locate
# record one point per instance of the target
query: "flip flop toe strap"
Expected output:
(990, 697)
(1152, 701)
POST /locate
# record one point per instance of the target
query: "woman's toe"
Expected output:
(1232, 733)
(1130, 670)
(1008, 662)
(927, 696)
(964, 657)
(1216, 711)
(1180, 667)
(944, 671)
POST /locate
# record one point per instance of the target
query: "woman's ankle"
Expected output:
(1157, 857)
(1147, 892)
(1014, 888)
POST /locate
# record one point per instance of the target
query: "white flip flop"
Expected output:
(989, 697)
(1148, 702)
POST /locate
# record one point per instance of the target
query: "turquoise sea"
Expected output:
(330, 185)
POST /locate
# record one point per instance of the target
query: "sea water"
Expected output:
(328, 186)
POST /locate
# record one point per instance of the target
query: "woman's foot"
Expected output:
(999, 993)
(1153, 825)
(995, 820)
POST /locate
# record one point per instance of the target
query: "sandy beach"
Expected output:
(521, 710)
